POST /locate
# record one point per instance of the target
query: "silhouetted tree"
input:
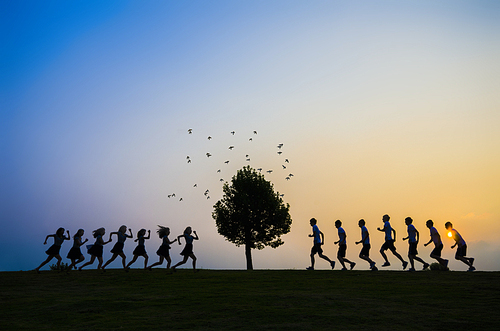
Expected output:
(250, 213)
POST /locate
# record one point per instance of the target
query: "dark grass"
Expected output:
(249, 300)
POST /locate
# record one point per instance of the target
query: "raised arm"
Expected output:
(195, 237)
(68, 237)
(179, 238)
(129, 235)
(149, 235)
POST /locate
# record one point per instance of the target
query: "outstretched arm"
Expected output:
(179, 238)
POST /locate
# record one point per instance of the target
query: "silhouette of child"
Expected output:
(140, 250)
(438, 244)
(365, 240)
(117, 249)
(164, 251)
(342, 246)
(462, 247)
(53, 250)
(389, 242)
(96, 249)
(318, 241)
(75, 254)
(413, 239)
(187, 252)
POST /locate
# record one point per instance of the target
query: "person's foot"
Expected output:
(426, 265)
(372, 265)
(405, 264)
(352, 265)
(471, 269)
(374, 268)
(446, 263)
(332, 264)
(308, 268)
(344, 269)
(386, 264)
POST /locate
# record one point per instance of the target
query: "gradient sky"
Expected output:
(381, 107)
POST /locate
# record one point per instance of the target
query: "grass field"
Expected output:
(249, 300)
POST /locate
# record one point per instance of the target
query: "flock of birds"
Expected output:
(206, 193)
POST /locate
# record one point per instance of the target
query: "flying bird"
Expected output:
(208, 197)
(232, 132)
(173, 194)
(209, 138)
(287, 178)
(187, 157)
(269, 171)
(169, 196)
(195, 185)
(218, 170)
(286, 160)
(189, 161)
(190, 131)
(208, 154)
(255, 132)
(250, 139)
(291, 175)
(283, 167)
(221, 180)
(279, 153)
(260, 169)
(282, 195)
(226, 162)
(180, 199)
(280, 145)
(248, 160)
(231, 147)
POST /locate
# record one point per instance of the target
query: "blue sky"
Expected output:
(382, 107)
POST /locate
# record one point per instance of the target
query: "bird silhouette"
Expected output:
(189, 161)
(283, 167)
(255, 132)
(248, 160)
(187, 157)
(209, 138)
(208, 197)
(190, 131)
(231, 147)
(280, 145)
(260, 169)
(269, 171)
(169, 196)
(195, 185)
(218, 170)
(286, 160)
(287, 178)
(173, 194)
(250, 139)
(232, 132)
(282, 195)
(291, 175)
(226, 162)
(221, 180)
(208, 154)
(279, 153)
(180, 199)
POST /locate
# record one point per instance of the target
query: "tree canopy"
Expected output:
(251, 213)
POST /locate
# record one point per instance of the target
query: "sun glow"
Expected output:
(449, 234)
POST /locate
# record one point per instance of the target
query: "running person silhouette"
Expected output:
(389, 242)
(318, 241)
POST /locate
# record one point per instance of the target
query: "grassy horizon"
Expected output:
(249, 300)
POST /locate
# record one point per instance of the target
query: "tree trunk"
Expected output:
(248, 255)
